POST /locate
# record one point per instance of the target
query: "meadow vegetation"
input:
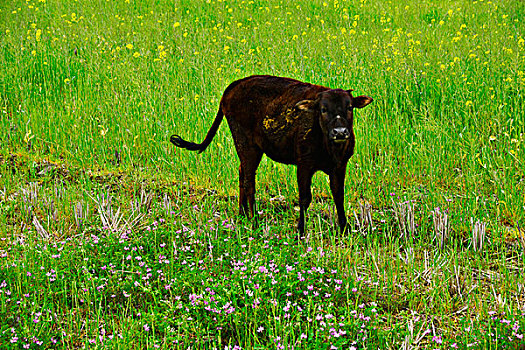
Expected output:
(110, 237)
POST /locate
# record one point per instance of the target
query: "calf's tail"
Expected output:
(192, 146)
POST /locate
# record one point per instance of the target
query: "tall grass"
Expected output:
(105, 84)
(91, 91)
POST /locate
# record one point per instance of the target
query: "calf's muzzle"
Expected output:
(340, 134)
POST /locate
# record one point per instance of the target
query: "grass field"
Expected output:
(110, 237)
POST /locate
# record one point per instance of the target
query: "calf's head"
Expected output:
(335, 110)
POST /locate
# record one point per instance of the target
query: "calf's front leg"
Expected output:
(304, 181)
(337, 186)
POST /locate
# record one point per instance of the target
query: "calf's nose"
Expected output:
(340, 134)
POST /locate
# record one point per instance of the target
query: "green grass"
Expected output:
(90, 92)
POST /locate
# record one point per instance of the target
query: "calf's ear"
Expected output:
(304, 105)
(361, 101)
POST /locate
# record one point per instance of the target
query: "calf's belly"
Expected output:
(285, 156)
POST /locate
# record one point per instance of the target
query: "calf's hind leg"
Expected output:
(243, 202)
(250, 156)
(250, 160)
